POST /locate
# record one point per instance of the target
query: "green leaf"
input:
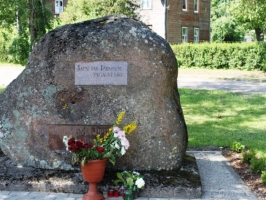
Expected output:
(83, 161)
(130, 182)
(119, 175)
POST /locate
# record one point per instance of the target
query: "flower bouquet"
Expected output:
(113, 144)
(131, 181)
(93, 157)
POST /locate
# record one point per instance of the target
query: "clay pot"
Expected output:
(93, 173)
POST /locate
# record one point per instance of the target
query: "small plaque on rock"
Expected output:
(101, 73)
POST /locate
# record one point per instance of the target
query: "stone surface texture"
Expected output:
(45, 93)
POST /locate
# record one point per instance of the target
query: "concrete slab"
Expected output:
(219, 182)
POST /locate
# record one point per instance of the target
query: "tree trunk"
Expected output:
(258, 32)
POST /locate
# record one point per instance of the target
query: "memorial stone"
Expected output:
(78, 78)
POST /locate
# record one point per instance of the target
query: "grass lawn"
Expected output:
(219, 118)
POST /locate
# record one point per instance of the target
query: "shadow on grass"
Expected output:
(220, 118)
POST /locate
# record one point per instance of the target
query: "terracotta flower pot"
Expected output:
(93, 173)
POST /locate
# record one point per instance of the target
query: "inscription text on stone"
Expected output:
(101, 73)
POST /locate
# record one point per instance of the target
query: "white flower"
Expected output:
(123, 151)
(116, 145)
(135, 173)
(140, 182)
(65, 141)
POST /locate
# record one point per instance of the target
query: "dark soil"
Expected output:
(252, 180)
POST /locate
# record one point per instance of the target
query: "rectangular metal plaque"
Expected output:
(81, 132)
(101, 73)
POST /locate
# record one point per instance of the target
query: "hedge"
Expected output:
(247, 56)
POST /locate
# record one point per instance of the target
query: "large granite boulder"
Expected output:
(78, 78)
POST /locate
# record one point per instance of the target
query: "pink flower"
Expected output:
(116, 129)
(118, 132)
(124, 142)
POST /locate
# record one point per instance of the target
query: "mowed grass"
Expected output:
(219, 118)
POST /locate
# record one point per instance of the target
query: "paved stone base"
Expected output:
(184, 183)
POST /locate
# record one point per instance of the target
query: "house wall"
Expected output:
(52, 4)
(177, 18)
(154, 17)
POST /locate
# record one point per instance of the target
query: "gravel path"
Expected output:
(8, 74)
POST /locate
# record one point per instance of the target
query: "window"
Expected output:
(196, 6)
(184, 5)
(184, 34)
(145, 4)
(58, 6)
(196, 35)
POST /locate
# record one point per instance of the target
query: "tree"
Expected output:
(30, 19)
(81, 10)
(224, 26)
(252, 14)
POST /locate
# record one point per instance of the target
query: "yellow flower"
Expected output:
(119, 118)
(130, 127)
(64, 106)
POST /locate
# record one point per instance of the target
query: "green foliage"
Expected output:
(224, 26)
(131, 180)
(19, 49)
(22, 24)
(82, 10)
(251, 14)
(257, 165)
(248, 155)
(263, 177)
(237, 147)
(248, 56)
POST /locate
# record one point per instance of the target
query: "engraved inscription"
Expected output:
(101, 73)
(82, 132)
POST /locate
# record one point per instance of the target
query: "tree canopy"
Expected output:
(81, 10)
(23, 22)
(224, 26)
(27, 20)
(252, 15)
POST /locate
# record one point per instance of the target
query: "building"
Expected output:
(178, 20)
(175, 20)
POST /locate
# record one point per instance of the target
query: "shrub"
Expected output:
(237, 147)
(257, 165)
(263, 177)
(248, 155)
(248, 56)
